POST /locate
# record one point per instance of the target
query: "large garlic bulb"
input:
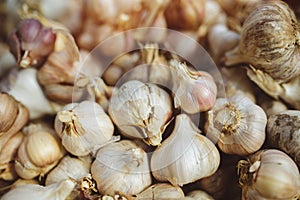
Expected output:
(141, 110)
(185, 156)
(283, 132)
(270, 42)
(83, 127)
(269, 174)
(39, 152)
(121, 167)
(56, 191)
(237, 125)
(161, 191)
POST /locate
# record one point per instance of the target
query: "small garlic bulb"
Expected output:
(283, 132)
(141, 110)
(195, 91)
(68, 167)
(199, 195)
(269, 41)
(185, 156)
(39, 152)
(83, 127)
(56, 191)
(161, 191)
(121, 167)
(269, 174)
(237, 125)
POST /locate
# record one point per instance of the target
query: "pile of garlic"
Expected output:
(150, 113)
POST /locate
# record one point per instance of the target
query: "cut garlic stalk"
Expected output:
(237, 125)
(141, 111)
(185, 156)
(56, 191)
(121, 167)
(83, 127)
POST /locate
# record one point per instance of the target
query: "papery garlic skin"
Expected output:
(237, 125)
(39, 152)
(56, 191)
(283, 132)
(269, 174)
(195, 91)
(69, 168)
(121, 167)
(83, 127)
(161, 191)
(185, 156)
(141, 110)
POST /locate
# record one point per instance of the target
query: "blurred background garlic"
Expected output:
(283, 132)
(121, 167)
(141, 110)
(30, 94)
(8, 154)
(83, 127)
(269, 174)
(191, 156)
(237, 125)
(269, 105)
(195, 91)
(39, 152)
(56, 191)
(161, 191)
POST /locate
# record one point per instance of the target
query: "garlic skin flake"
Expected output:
(141, 110)
(237, 125)
(269, 174)
(121, 167)
(185, 156)
(56, 191)
(83, 127)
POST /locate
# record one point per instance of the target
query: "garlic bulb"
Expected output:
(56, 191)
(269, 174)
(283, 132)
(68, 167)
(7, 155)
(39, 152)
(161, 191)
(237, 125)
(271, 106)
(83, 127)
(269, 42)
(30, 94)
(195, 91)
(199, 195)
(121, 167)
(141, 110)
(185, 156)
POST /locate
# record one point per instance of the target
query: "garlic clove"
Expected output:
(161, 191)
(8, 112)
(141, 111)
(237, 125)
(83, 126)
(55, 191)
(269, 174)
(283, 132)
(191, 156)
(121, 167)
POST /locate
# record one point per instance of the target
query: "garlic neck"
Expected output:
(71, 124)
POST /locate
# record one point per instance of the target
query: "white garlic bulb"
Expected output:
(199, 195)
(269, 174)
(141, 110)
(56, 191)
(69, 167)
(121, 167)
(161, 191)
(237, 125)
(185, 156)
(39, 152)
(83, 127)
(195, 91)
(283, 132)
